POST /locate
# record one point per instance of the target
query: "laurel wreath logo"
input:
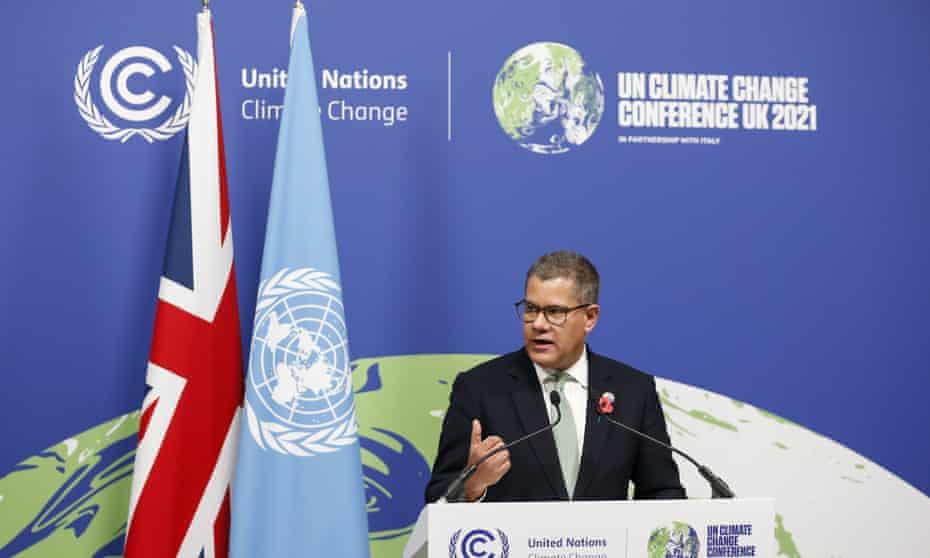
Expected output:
(505, 544)
(454, 541)
(286, 281)
(300, 443)
(100, 124)
(269, 434)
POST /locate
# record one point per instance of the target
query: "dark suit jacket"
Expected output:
(505, 395)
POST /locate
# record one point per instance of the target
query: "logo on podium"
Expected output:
(479, 543)
(676, 540)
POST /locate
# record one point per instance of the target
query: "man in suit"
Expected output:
(583, 458)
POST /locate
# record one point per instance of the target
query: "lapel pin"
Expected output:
(605, 405)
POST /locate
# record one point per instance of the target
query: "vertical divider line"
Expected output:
(449, 97)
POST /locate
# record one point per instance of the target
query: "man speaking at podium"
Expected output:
(582, 457)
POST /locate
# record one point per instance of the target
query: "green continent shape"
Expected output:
(784, 539)
(512, 94)
(704, 416)
(413, 387)
(658, 542)
(565, 58)
(29, 490)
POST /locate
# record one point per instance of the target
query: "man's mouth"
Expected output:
(541, 343)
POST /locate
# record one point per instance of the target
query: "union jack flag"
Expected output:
(188, 433)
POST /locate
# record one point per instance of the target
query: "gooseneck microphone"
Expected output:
(457, 487)
(718, 488)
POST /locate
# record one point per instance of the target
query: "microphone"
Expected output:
(457, 487)
(718, 488)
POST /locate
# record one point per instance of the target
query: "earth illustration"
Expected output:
(678, 540)
(71, 499)
(546, 100)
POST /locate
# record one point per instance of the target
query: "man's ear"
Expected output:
(591, 314)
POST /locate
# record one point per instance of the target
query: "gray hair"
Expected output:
(568, 265)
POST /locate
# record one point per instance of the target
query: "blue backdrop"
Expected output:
(787, 269)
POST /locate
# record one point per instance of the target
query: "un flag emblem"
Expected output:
(299, 369)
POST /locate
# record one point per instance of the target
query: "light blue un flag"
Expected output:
(298, 488)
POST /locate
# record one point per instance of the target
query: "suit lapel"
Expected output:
(528, 401)
(595, 431)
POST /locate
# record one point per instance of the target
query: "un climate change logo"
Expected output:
(132, 106)
(677, 540)
(299, 366)
(546, 100)
(479, 543)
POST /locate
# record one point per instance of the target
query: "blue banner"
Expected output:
(297, 489)
(750, 181)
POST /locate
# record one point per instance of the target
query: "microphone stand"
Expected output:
(718, 488)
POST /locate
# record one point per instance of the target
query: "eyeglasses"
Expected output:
(555, 315)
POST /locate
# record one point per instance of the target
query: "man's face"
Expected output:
(557, 346)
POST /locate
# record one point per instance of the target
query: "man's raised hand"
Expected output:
(489, 472)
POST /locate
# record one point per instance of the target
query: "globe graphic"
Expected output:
(546, 100)
(300, 360)
(677, 540)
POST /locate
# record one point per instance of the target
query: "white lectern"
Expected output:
(644, 528)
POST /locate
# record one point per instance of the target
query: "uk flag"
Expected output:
(179, 502)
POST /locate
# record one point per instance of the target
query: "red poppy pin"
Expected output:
(605, 405)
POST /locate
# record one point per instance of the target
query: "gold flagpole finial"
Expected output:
(205, 4)
(299, 5)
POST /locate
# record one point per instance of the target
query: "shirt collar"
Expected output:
(578, 371)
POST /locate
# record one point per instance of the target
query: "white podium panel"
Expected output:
(640, 529)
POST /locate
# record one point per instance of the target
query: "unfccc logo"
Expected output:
(479, 543)
(125, 103)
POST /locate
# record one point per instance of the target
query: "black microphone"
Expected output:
(458, 485)
(718, 488)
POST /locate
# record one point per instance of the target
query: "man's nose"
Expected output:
(541, 322)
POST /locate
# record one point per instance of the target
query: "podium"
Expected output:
(626, 529)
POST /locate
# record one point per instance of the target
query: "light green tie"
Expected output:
(566, 436)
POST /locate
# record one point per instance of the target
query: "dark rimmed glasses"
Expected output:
(555, 315)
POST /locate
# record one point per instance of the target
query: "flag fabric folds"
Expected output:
(189, 428)
(298, 489)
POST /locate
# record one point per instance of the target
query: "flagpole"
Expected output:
(298, 10)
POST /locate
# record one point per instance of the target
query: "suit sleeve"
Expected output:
(655, 473)
(454, 439)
